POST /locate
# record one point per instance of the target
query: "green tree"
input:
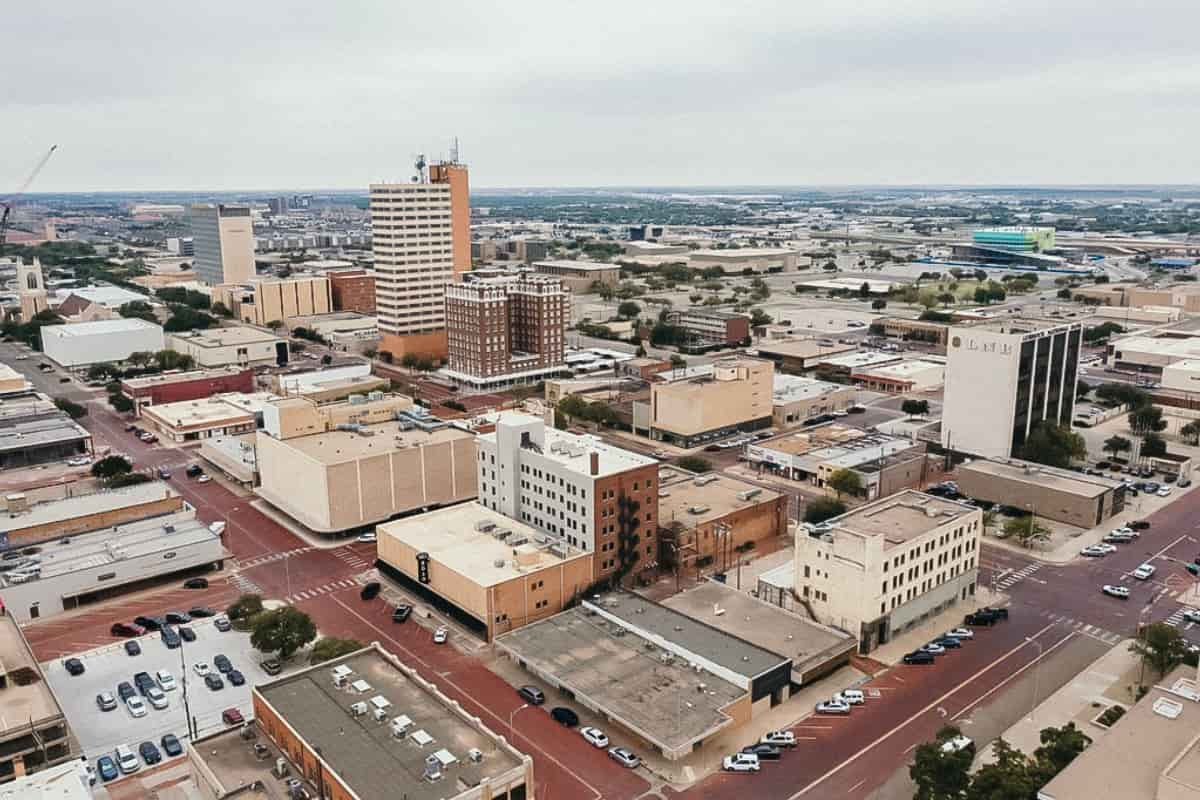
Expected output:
(864, 291)
(1153, 446)
(879, 304)
(331, 647)
(111, 466)
(1027, 530)
(628, 310)
(1117, 445)
(759, 317)
(101, 372)
(1052, 445)
(823, 508)
(120, 403)
(72, 409)
(245, 607)
(946, 298)
(572, 406)
(172, 359)
(221, 310)
(1161, 647)
(1059, 748)
(275, 324)
(845, 481)
(138, 309)
(1122, 394)
(981, 295)
(678, 361)
(1009, 776)
(915, 408)
(185, 318)
(283, 630)
(937, 774)
(694, 464)
(1190, 433)
(1146, 419)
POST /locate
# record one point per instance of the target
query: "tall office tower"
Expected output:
(31, 289)
(1002, 378)
(506, 329)
(223, 239)
(421, 238)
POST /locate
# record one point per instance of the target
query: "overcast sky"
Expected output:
(261, 94)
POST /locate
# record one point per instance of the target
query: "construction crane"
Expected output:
(12, 199)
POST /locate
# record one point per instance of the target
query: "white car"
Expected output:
(366, 538)
(779, 738)
(22, 357)
(204, 478)
(1124, 531)
(127, 760)
(1192, 615)
(1107, 548)
(79, 461)
(852, 697)
(961, 633)
(166, 681)
(624, 757)
(594, 736)
(833, 706)
(741, 762)
(1093, 551)
(1143, 572)
(959, 742)
(1165, 491)
(136, 707)
(217, 527)
(1120, 592)
(201, 668)
(156, 698)
(933, 648)
(440, 635)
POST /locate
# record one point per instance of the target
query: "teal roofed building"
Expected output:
(1020, 239)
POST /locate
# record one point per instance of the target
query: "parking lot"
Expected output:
(99, 732)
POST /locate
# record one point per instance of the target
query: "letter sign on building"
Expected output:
(423, 567)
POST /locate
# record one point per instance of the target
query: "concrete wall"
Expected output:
(1046, 501)
(737, 396)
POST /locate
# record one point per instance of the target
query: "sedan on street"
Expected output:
(1119, 592)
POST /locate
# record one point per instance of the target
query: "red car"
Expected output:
(231, 716)
(126, 629)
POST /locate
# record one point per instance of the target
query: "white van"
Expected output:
(851, 697)
(127, 760)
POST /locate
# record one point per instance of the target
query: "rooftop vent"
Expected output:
(749, 494)
(704, 480)
(484, 525)
(1166, 707)
(697, 509)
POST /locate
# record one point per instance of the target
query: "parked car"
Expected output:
(371, 590)
(126, 629)
(194, 471)
(741, 762)
(564, 716)
(73, 666)
(441, 634)
(779, 738)
(170, 745)
(1119, 592)
(78, 461)
(948, 643)
(366, 538)
(133, 648)
(149, 623)
(135, 706)
(236, 678)
(852, 697)
(169, 637)
(201, 668)
(105, 701)
(918, 657)
(624, 757)
(833, 707)
(222, 623)
(1093, 551)
(142, 681)
(222, 663)
(213, 681)
(594, 736)
(125, 690)
(165, 680)
(231, 716)
(933, 649)
(532, 695)
(201, 611)
(156, 698)
(196, 583)
(177, 618)
(957, 744)
(1144, 572)
(961, 633)
(107, 768)
(204, 478)
(186, 633)
(765, 752)
(403, 612)
(1139, 525)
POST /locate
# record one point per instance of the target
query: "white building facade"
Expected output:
(83, 343)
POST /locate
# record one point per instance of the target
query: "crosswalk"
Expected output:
(268, 558)
(1016, 577)
(1176, 619)
(244, 584)
(1096, 632)
(351, 558)
(332, 586)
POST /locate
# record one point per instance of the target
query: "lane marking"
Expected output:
(1040, 656)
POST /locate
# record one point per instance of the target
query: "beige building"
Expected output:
(914, 329)
(1153, 354)
(263, 301)
(219, 347)
(754, 259)
(1058, 494)
(1139, 315)
(360, 462)
(35, 733)
(920, 375)
(796, 399)
(578, 276)
(12, 381)
(1151, 753)
(223, 238)
(218, 415)
(30, 521)
(738, 396)
(501, 572)
(887, 566)
(799, 355)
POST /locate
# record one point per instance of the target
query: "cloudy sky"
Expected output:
(262, 94)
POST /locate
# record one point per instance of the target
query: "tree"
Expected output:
(172, 359)
(641, 351)
(823, 508)
(1059, 748)
(283, 631)
(572, 406)
(759, 317)
(331, 647)
(1010, 776)
(864, 291)
(245, 607)
(72, 409)
(1190, 433)
(1122, 394)
(845, 481)
(1082, 388)
(1052, 445)
(1116, 445)
(1161, 647)
(221, 310)
(981, 295)
(185, 318)
(326, 359)
(915, 408)
(946, 298)
(120, 403)
(138, 309)
(940, 775)
(275, 324)
(694, 464)
(1146, 419)
(678, 361)
(111, 467)
(1153, 446)
(1027, 530)
(628, 309)
(879, 304)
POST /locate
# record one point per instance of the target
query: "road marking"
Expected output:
(1040, 656)
(911, 719)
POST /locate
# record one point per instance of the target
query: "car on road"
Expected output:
(741, 762)
(978, 620)
(171, 745)
(594, 736)
(222, 663)
(1192, 615)
(1164, 491)
(1093, 551)
(148, 438)
(73, 666)
(164, 473)
(196, 583)
(371, 590)
(1107, 548)
(105, 701)
(1139, 525)
(222, 623)
(78, 461)
(204, 478)
(236, 678)
(231, 716)
(833, 707)
(765, 752)
(402, 612)
(213, 681)
(779, 738)
(201, 611)
(366, 538)
(624, 757)
(933, 649)
(133, 648)
(135, 706)
(948, 642)
(852, 697)
(1144, 572)
(532, 695)
(165, 680)
(126, 629)
(201, 668)
(1119, 592)
(156, 698)
(186, 633)
(918, 657)
(107, 768)
(564, 716)
(441, 634)
(957, 744)
(149, 753)
(961, 633)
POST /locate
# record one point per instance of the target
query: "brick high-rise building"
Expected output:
(353, 290)
(421, 238)
(506, 329)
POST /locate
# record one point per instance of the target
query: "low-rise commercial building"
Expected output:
(887, 566)
(843, 365)
(66, 781)
(84, 343)
(102, 563)
(1058, 494)
(365, 726)
(12, 382)
(643, 368)
(738, 396)
(920, 375)
(30, 522)
(219, 347)
(706, 328)
(1139, 315)
(1153, 354)
(343, 330)
(796, 399)
(34, 734)
(174, 387)
(712, 519)
(579, 276)
(491, 571)
(1182, 376)
(800, 355)
(741, 260)
(219, 415)
(914, 330)
(361, 461)
(33, 430)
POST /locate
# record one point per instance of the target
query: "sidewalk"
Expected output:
(1108, 681)
(934, 627)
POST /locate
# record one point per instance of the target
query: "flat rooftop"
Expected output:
(227, 337)
(712, 314)
(1059, 480)
(84, 505)
(336, 447)
(573, 451)
(861, 359)
(681, 498)
(744, 252)
(1185, 348)
(374, 764)
(582, 266)
(1142, 747)
(103, 326)
(229, 408)
(167, 378)
(802, 348)
(901, 517)
(452, 538)
(905, 369)
(1020, 325)
(803, 442)
(232, 762)
(625, 676)
(33, 421)
(805, 642)
(19, 704)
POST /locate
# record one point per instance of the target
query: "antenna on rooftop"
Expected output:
(454, 150)
(419, 164)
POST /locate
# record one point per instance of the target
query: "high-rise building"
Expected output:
(506, 329)
(421, 240)
(1003, 378)
(223, 241)
(597, 497)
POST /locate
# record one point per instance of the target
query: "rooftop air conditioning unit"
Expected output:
(498, 563)
(697, 509)
(484, 525)
(475, 755)
(704, 480)
(433, 768)
(281, 768)
(749, 494)
(358, 709)
(380, 714)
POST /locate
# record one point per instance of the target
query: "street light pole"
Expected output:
(1037, 675)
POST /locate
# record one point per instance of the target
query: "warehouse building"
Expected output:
(800, 355)
(173, 387)
(219, 347)
(29, 522)
(1058, 494)
(84, 343)
(746, 259)
(578, 276)
(35, 431)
